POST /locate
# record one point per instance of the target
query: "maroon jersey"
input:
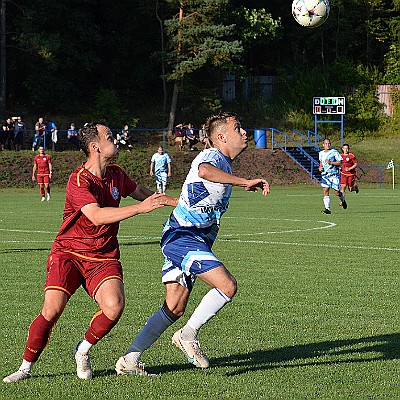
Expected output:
(348, 160)
(78, 235)
(42, 161)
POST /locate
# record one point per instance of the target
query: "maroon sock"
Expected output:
(99, 327)
(38, 336)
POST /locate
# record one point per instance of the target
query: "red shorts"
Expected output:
(43, 178)
(348, 180)
(66, 272)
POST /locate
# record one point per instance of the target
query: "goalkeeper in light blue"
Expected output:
(187, 241)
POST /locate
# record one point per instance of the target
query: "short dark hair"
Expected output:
(216, 121)
(88, 133)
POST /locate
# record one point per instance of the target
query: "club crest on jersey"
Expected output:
(115, 193)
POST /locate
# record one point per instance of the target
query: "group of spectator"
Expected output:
(187, 136)
(45, 134)
(11, 135)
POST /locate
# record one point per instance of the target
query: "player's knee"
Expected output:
(114, 307)
(176, 311)
(229, 288)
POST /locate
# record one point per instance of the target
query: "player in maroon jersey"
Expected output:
(42, 172)
(349, 170)
(85, 251)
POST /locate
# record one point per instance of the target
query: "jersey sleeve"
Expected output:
(168, 159)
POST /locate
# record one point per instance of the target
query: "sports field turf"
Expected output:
(316, 315)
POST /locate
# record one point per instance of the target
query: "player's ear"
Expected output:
(221, 137)
(94, 146)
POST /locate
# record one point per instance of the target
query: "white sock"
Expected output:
(84, 346)
(327, 202)
(210, 304)
(27, 365)
(152, 330)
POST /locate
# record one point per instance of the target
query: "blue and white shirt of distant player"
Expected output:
(161, 162)
(331, 173)
(193, 226)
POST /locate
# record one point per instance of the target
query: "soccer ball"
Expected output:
(310, 13)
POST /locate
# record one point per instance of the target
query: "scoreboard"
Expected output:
(329, 105)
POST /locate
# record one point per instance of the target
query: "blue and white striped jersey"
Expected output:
(202, 203)
(331, 155)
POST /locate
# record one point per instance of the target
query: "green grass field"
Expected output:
(316, 315)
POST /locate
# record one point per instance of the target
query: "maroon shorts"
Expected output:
(43, 178)
(348, 180)
(67, 271)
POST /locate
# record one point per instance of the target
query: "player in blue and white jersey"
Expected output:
(187, 242)
(160, 166)
(330, 161)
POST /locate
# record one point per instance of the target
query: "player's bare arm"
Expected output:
(214, 174)
(335, 163)
(109, 215)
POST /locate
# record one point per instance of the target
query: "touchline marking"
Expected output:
(333, 246)
(328, 225)
(26, 231)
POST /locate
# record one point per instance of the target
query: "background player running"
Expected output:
(186, 243)
(329, 165)
(85, 251)
(348, 173)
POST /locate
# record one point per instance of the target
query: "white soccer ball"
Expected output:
(310, 13)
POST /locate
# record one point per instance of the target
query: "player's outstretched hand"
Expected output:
(157, 200)
(253, 185)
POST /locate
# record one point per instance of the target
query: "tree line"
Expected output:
(159, 61)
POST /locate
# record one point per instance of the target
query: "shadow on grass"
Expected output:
(313, 354)
(323, 353)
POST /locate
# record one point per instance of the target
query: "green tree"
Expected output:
(197, 37)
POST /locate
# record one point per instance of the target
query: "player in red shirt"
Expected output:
(85, 251)
(42, 164)
(349, 171)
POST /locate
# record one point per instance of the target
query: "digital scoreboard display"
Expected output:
(329, 105)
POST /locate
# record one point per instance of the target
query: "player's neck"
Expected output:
(96, 167)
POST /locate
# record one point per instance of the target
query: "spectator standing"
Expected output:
(72, 135)
(51, 134)
(9, 129)
(160, 166)
(38, 139)
(42, 172)
(19, 129)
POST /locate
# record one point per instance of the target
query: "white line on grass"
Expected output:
(334, 246)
